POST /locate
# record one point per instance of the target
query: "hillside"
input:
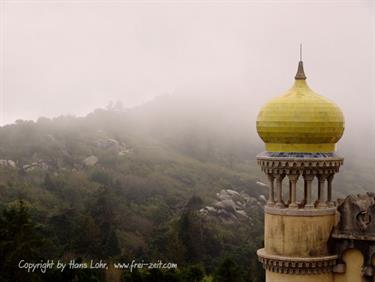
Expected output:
(105, 186)
(160, 181)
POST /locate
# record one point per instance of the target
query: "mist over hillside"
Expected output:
(169, 174)
(143, 182)
(207, 129)
(138, 183)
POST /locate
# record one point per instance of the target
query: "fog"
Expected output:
(72, 57)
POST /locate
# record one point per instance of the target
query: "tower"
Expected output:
(300, 130)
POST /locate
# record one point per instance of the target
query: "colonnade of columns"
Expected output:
(276, 194)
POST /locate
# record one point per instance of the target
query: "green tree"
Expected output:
(111, 246)
(228, 271)
(87, 241)
(19, 240)
(198, 240)
(193, 273)
(134, 276)
(103, 213)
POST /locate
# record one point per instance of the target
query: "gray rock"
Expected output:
(229, 205)
(29, 167)
(124, 151)
(232, 207)
(108, 143)
(263, 198)
(242, 213)
(233, 193)
(261, 184)
(12, 164)
(210, 209)
(90, 161)
(8, 163)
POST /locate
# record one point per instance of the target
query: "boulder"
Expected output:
(261, 184)
(263, 198)
(223, 195)
(12, 164)
(90, 161)
(8, 163)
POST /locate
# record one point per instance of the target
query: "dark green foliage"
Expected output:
(154, 275)
(141, 202)
(228, 271)
(87, 238)
(19, 240)
(134, 276)
(102, 177)
(111, 245)
(199, 241)
(194, 203)
(48, 183)
(64, 226)
(193, 273)
(190, 233)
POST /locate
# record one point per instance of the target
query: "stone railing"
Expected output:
(290, 168)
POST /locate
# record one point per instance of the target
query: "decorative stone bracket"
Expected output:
(355, 230)
(296, 265)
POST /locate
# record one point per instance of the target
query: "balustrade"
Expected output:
(276, 195)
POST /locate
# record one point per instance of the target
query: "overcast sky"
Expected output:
(70, 57)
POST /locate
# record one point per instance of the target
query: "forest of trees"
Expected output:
(23, 239)
(139, 200)
(121, 185)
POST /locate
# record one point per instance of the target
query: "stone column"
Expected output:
(321, 183)
(329, 190)
(279, 189)
(290, 193)
(303, 202)
(308, 180)
(293, 190)
(271, 198)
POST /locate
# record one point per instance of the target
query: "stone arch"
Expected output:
(353, 261)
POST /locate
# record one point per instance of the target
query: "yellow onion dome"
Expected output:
(300, 120)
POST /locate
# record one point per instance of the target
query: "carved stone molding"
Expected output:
(296, 265)
(286, 165)
(300, 212)
(357, 217)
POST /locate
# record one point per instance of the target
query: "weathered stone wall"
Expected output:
(298, 236)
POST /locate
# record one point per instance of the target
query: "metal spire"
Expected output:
(300, 75)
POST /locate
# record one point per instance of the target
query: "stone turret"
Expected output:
(300, 130)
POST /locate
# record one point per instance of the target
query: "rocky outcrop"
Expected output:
(8, 163)
(113, 145)
(232, 206)
(91, 160)
(40, 165)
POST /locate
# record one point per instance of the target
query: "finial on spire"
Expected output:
(300, 72)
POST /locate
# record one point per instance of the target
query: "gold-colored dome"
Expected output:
(300, 120)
